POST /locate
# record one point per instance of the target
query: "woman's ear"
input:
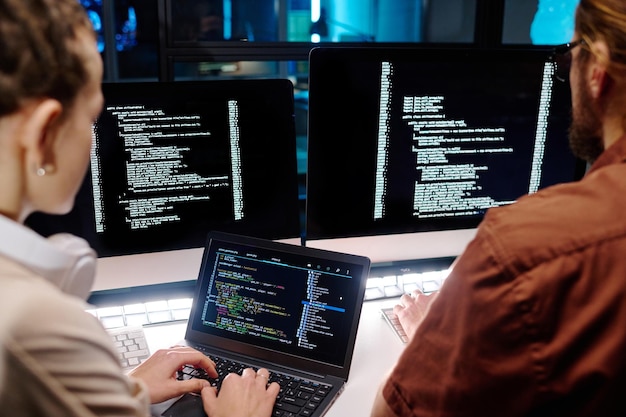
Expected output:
(40, 133)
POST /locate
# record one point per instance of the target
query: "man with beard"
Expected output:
(530, 321)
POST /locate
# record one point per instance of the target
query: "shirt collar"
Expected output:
(614, 154)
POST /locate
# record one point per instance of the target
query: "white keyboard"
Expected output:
(393, 321)
(131, 345)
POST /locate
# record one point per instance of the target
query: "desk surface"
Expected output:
(376, 350)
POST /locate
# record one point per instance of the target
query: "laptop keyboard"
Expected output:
(297, 396)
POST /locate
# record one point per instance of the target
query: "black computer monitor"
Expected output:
(409, 147)
(172, 161)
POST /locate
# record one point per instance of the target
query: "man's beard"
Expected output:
(584, 133)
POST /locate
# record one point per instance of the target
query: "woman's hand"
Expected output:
(245, 395)
(158, 372)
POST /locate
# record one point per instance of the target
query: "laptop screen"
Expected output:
(296, 301)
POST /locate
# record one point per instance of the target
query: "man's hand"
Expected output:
(412, 309)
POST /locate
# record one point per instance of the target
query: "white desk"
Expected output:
(376, 351)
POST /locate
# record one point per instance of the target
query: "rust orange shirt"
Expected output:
(532, 319)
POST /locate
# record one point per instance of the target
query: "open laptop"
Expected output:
(291, 309)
